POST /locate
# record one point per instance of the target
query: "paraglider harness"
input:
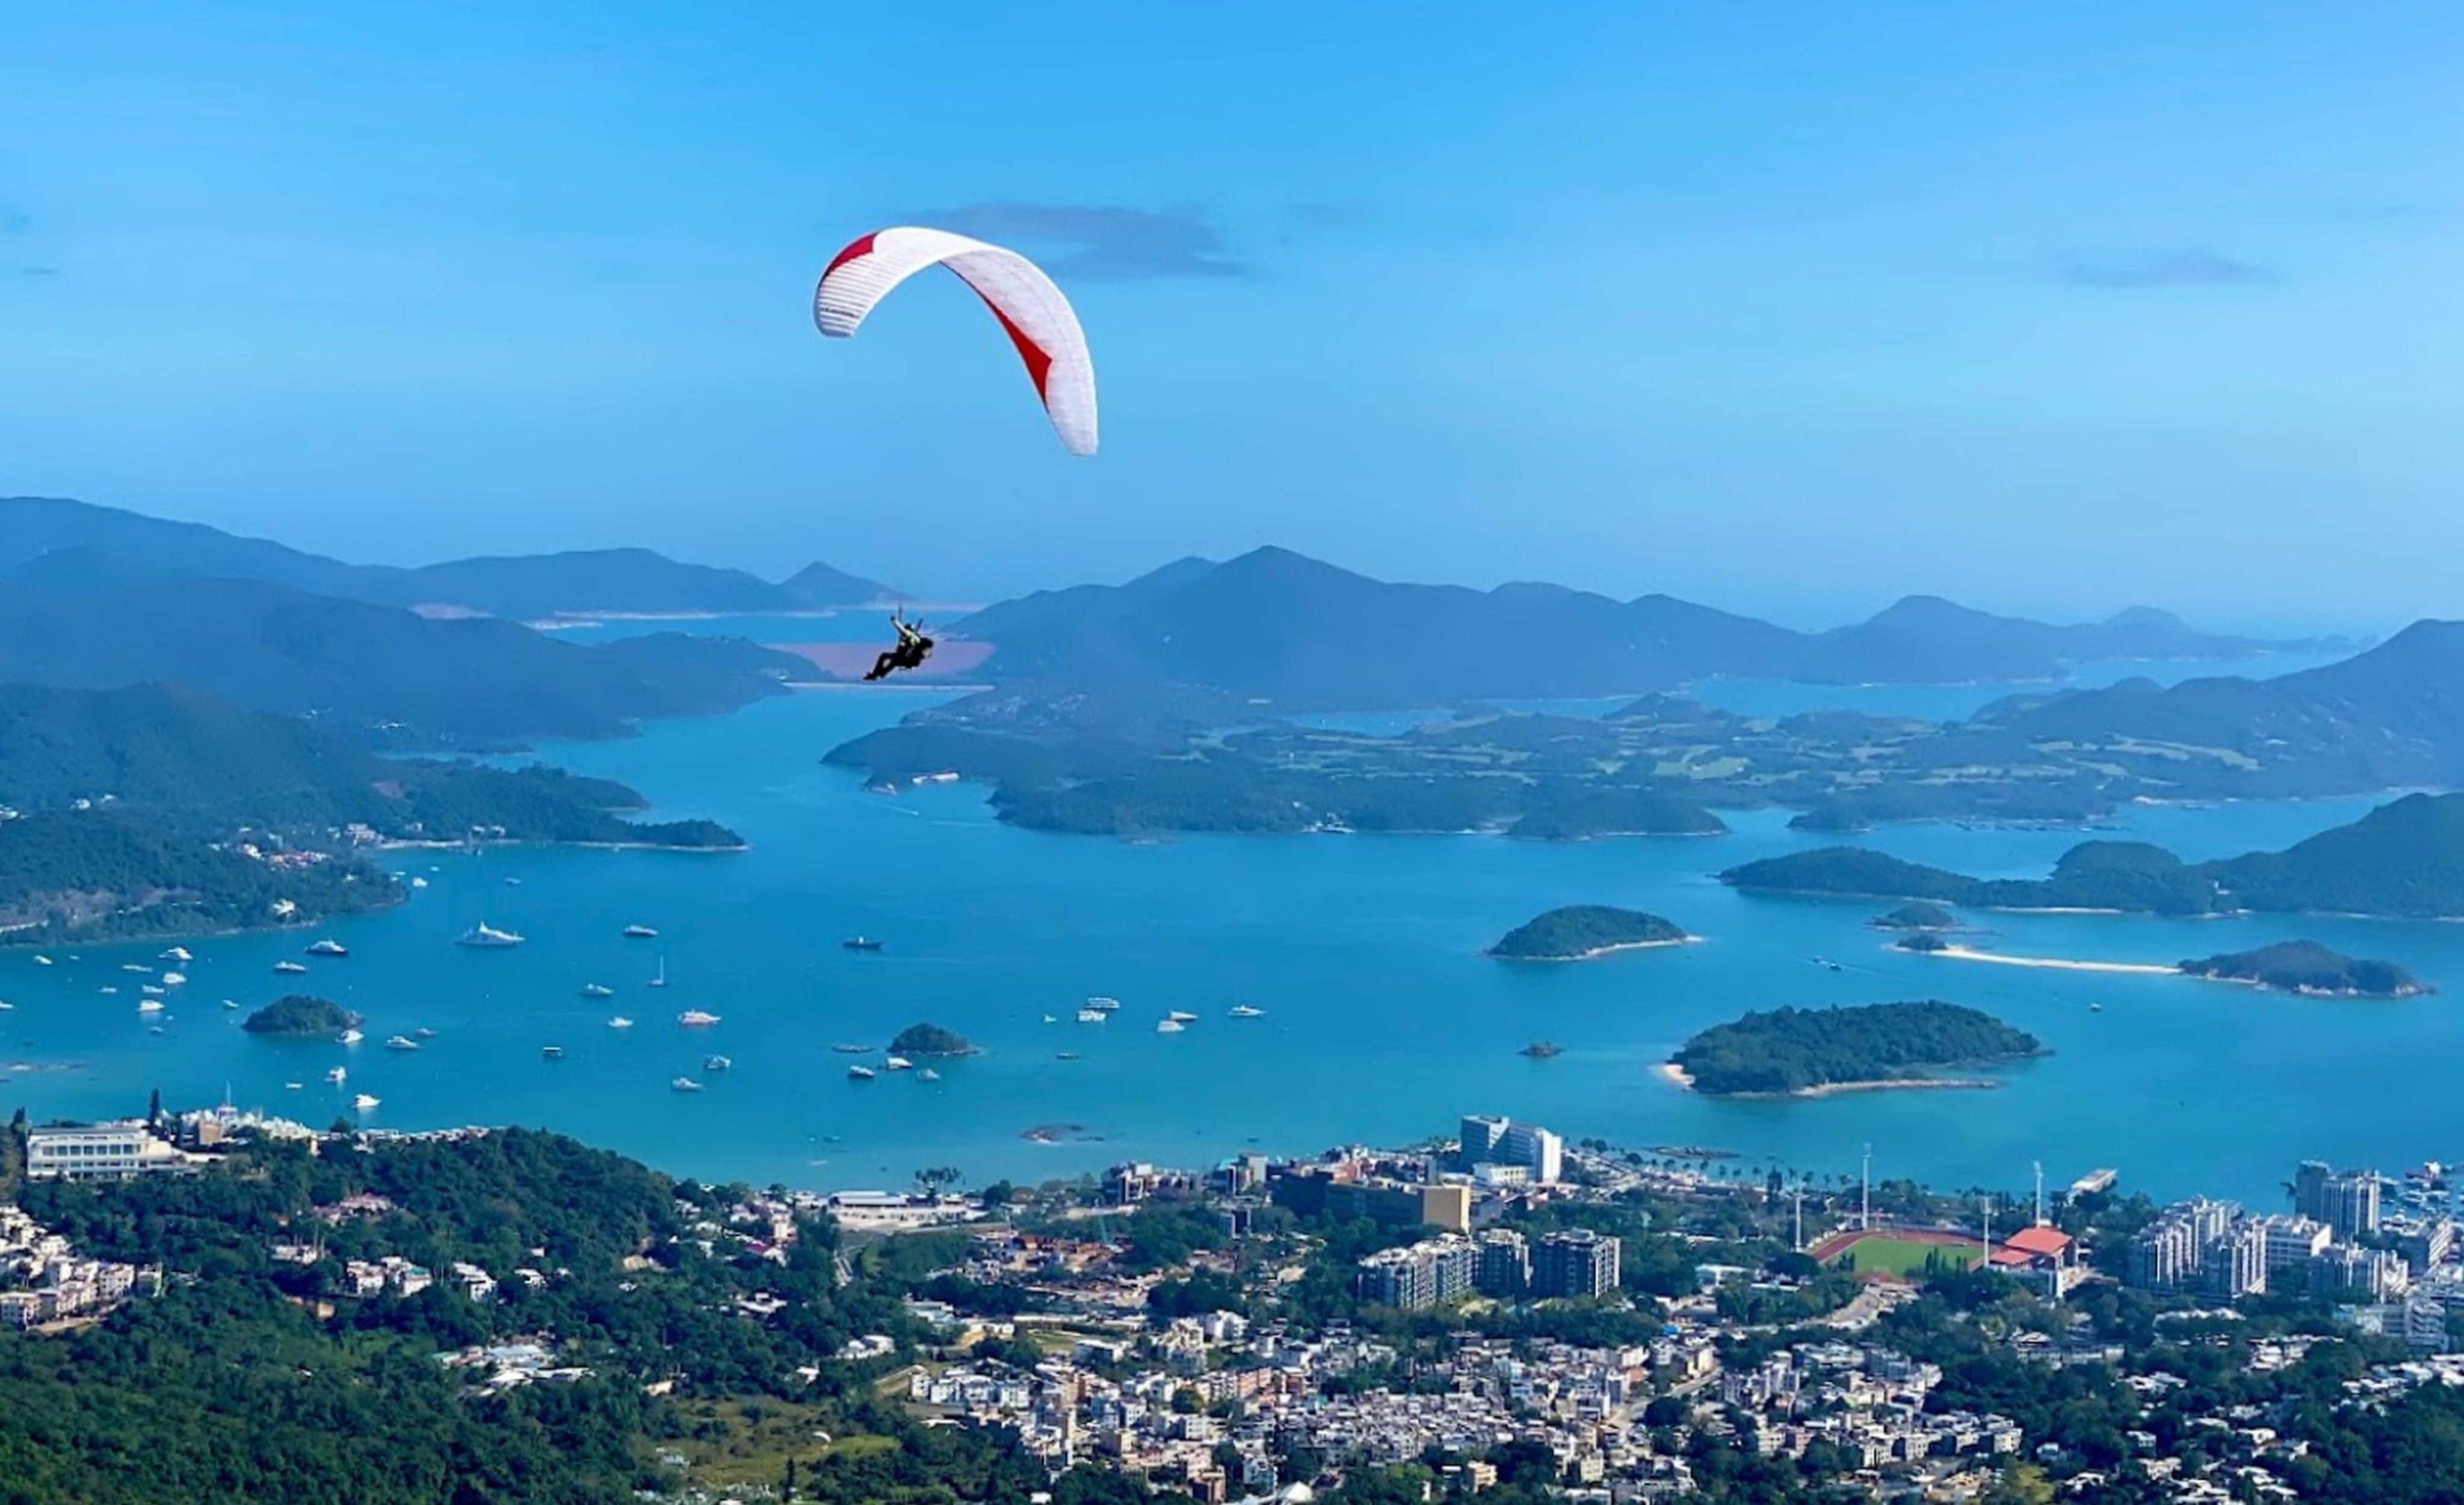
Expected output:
(914, 649)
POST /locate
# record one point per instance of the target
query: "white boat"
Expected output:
(174, 979)
(640, 933)
(1090, 1015)
(659, 978)
(177, 953)
(149, 1006)
(620, 1022)
(150, 990)
(597, 990)
(860, 1074)
(487, 937)
(42, 961)
(6, 1006)
(135, 967)
(350, 1037)
(230, 1003)
(328, 948)
(928, 1073)
(419, 883)
(717, 1063)
(108, 988)
(337, 1076)
(1169, 1026)
(552, 1052)
(291, 1086)
(1103, 1004)
(685, 1084)
(289, 969)
(1242, 1011)
(895, 1064)
(402, 1042)
(1049, 1020)
(1182, 1016)
(423, 1033)
(696, 1018)
(363, 1102)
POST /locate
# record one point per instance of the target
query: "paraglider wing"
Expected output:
(1038, 319)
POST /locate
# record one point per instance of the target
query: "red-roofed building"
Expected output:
(2043, 1256)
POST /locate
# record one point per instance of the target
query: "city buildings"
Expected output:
(2347, 1201)
(1575, 1262)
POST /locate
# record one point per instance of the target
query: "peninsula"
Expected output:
(1579, 932)
(1814, 1051)
(2306, 966)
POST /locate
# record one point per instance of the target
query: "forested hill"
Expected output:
(2403, 859)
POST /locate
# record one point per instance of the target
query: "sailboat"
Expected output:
(661, 979)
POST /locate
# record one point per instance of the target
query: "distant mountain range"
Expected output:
(365, 668)
(70, 547)
(1279, 627)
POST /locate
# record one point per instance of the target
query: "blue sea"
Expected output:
(1383, 1022)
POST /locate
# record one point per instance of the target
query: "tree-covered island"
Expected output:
(2306, 966)
(1578, 932)
(1916, 915)
(930, 1039)
(1808, 1052)
(300, 1016)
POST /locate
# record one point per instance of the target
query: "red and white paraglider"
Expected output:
(1038, 319)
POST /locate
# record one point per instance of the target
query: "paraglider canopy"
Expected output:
(1038, 319)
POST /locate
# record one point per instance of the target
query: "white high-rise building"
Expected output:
(1528, 1144)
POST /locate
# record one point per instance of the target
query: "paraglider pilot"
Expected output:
(914, 649)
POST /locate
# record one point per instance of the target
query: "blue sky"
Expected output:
(1791, 308)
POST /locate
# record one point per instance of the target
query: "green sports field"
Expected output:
(1885, 1255)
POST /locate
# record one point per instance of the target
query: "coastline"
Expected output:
(1964, 953)
(1678, 1077)
(1597, 951)
(577, 847)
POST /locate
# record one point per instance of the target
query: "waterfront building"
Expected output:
(1575, 1262)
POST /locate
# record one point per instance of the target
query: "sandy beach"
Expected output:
(1678, 1077)
(1597, 951)
(2055, 963)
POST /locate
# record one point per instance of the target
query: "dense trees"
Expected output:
(1790, 1050)
(1580, 930)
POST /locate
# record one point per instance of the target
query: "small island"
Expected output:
(1919, 915)
(930, 1039)
(1922, 941)
(1814, 1051)
(1579, 932)
(1543, 1050)
(2306, 966)
(300, 1016)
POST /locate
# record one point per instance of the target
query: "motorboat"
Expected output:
(1169, 1026)
(350, 1037)
(177, 953)
(896, 1063)
(685, 1084)
(1103, 1004)
(289, 969)
(620, 1022)
(552, 1053)
(338, 1076)
(487, 937)
(363, 1102)
(1242, 1011)
(861, 943)
(640, 933)
(696, 1018)
(1182, 1016)
(597, 990)
(860, 1074)
(1092, 1015)
(402, 1042)
(328, 948)
(717, 1063)
(928, 1073)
